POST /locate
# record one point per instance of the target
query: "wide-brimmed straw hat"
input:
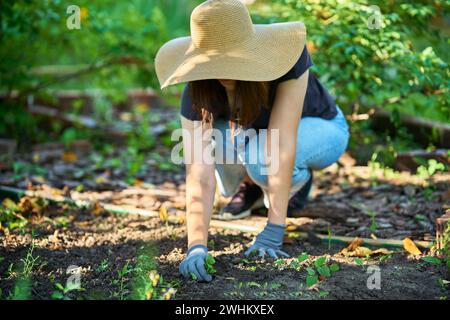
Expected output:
(225, 44)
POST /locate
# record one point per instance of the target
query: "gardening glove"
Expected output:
(269, 241)
(194, 263)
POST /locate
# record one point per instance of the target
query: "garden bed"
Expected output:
(348, 201)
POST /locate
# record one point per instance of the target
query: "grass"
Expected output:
(103, 266)
(147, 283)
(23, 285)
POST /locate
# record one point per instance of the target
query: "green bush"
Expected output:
(400, 67)
(394, 67)
(373, 67)
(114, 50)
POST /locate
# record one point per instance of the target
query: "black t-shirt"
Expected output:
(318, 102)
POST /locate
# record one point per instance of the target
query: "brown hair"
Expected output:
(209, 98)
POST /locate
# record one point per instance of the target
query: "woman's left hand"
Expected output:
(269, 241)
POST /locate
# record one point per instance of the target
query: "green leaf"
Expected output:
(209, 264)
(323, 293)
(59, 286)
(57, 295)
(359, 261)
(334, 267)
(310, 271)
(279, 262)
(311, 280)
(253, 284)
(275, 286)
(303, 257)
(324, 271)
(320, 261)
(193, 276)
(433, 260)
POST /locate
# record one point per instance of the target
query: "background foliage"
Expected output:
(401, 67)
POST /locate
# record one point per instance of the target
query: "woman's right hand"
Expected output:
(194, 264)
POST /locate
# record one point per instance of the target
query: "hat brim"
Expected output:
(268, 55)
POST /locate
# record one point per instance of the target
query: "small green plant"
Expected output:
(425, 172)
(122, 281)
(62, 292)
(303, 257)
(446, 245)
(10, 216)
(211, 243)
(209, 264)
(359, 262)
(237, 293)
(329, 237)
(279, 262)
(319, 270)
(102, 266)
(373, 225)
(23, 284)
(432, 260)
(249, 264)
(148, 284)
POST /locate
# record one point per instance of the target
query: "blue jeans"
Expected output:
(320, 143)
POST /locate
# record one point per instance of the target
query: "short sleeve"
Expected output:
(187, 110)
(302, 64)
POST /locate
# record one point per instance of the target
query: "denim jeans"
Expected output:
(320, 143)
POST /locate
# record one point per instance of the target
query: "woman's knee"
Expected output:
(330, 153)
(257, 174)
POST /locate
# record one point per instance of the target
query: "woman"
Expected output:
(242, 76)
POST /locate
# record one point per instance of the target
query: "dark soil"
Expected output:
(91, 239)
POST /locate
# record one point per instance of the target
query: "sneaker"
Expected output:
(248, 198)
(299, 200)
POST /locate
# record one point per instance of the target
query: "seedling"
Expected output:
(121, 281)
(211, 243)
(147, 283)
(319, 270)
(303, 257)
(62, 291)
(323, 294)
(279, 262)
(250, 264)
(373, 226)
(385, 257)
(22, 287)
(209, 264)
(432, 260)
(359, 262)
(102, 266)
(238, 293)
(329, 237)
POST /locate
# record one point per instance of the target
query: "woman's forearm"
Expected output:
(199, 206)
(279, 183)
(285, 118)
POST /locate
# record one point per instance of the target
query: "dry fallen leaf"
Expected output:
(354, 249)
(142, 107)
(9, 204)
(411, 247)
(355, 244)
(69, 156)
(291, 227)
(97, 209)
(181, 219)
(163, 215)
(29, 206)
(101, 179)
(138, 183)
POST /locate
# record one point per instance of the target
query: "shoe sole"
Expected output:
(227, 216)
